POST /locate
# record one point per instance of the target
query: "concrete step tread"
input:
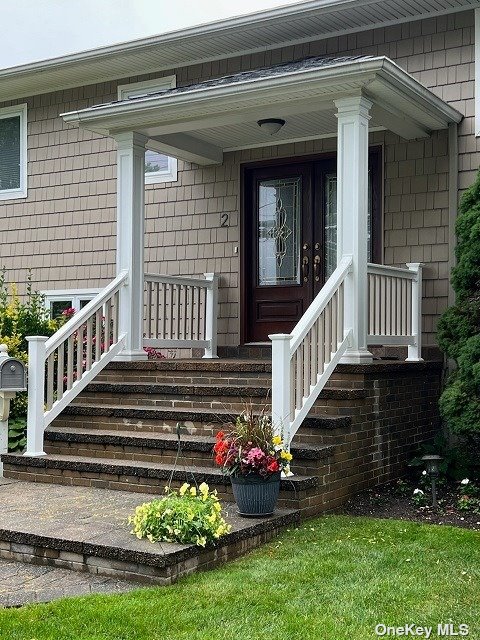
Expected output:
(68, 519)
(246, 391)
(234, 365)
(196, 474)
(168, 441)
(204, 415)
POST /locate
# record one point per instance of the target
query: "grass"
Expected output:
(335, 578)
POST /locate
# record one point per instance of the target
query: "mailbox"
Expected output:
(12, 375)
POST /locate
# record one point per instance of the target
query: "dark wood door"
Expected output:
(290, 241)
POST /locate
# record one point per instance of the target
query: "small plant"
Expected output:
(187, 516)
(17, 440)
(469, 499)
(251, 447)
(419, 498)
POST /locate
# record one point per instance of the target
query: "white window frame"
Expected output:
(125, 91)
(477, 72)
(9, 112)
(75, 295)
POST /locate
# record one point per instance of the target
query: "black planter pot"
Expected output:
(255, 495)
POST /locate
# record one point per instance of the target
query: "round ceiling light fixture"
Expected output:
(271, 125)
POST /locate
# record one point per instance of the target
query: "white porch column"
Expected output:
(130, 240)
(352, 217)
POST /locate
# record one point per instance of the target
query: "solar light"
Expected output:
(432, 464)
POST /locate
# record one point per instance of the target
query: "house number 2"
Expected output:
(224, 220)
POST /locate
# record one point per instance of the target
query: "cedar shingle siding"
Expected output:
(65, 229)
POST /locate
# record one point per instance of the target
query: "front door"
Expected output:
(290, 241)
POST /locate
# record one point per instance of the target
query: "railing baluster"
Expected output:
(50, 378)
(60, 370)
(148, 310)
(108, 327)
(70, 362)
(115, 318)
(299, 379)
(79, 352)
(98, 335)
(328, 336)
(89, 345)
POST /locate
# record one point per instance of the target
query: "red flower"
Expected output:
(220, 435)
(219, 459)
(273, 466)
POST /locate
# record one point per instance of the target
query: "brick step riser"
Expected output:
(156, 486)
(186, 459)
(235, 404)
(307, 435)
(178, 377)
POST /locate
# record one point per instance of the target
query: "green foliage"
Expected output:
(189, 516)
(455, 463)
(17, 440)
(469, 499)
(459, 326)
(333, 578)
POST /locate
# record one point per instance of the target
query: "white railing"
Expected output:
(303, 360)
(394, 307)
(61, 366)
(181, 312)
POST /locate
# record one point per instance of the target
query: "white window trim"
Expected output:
(125, 91)
(75, 295)
(8, 112)
(477, 72)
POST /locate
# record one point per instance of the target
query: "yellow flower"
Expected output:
(286, 456)
(183, 489)
(217, 506)
(277, 440)
(204, 488)
(193, 491)
(201, 541)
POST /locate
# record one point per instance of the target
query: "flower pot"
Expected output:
(255, 495)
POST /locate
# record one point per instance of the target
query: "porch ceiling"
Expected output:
(200, 122)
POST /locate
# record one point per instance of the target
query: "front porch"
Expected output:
(360, 304)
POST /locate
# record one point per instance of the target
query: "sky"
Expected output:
(35, 30)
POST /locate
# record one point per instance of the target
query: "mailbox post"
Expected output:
(12, 380)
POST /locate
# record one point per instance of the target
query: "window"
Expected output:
(13, 152)
(57, 301)
(158, 167)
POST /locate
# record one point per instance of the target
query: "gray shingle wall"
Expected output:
(65, 229)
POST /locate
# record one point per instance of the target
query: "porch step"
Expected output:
(162, 448)
(198, 421)
(85, 529)
(150, 477)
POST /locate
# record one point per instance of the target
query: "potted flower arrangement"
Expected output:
(254, 457)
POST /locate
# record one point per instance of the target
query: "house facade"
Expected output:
(201, 218)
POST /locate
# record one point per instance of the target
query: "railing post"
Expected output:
(415, 350)
(36, 395)
(281, 386)
(211, 316)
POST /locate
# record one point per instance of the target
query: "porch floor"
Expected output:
(85, 529)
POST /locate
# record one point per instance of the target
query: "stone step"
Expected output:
(199, 421)
(85, 529)
(149, 477)
(163, 448)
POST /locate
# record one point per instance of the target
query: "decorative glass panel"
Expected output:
(279, 231)
(9, 153)
(331, 222)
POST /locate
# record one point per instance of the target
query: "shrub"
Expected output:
(20, 318)
(187, 516)
(459, 326)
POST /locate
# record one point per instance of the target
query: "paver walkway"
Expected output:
(22, 583)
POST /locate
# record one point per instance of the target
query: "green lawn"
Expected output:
(335, 578)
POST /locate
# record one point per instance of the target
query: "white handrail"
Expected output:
(303, 361)
(61, 366)
(181, 312)
(82, 315)
(395, 307)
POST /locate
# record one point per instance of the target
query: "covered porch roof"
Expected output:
(199, 122)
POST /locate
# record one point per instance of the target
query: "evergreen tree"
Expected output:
(459, 326)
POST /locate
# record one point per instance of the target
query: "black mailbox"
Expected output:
(12, 375)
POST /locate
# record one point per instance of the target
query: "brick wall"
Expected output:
(65, 229)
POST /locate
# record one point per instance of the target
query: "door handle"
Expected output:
(305, 268)
(316, 268)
